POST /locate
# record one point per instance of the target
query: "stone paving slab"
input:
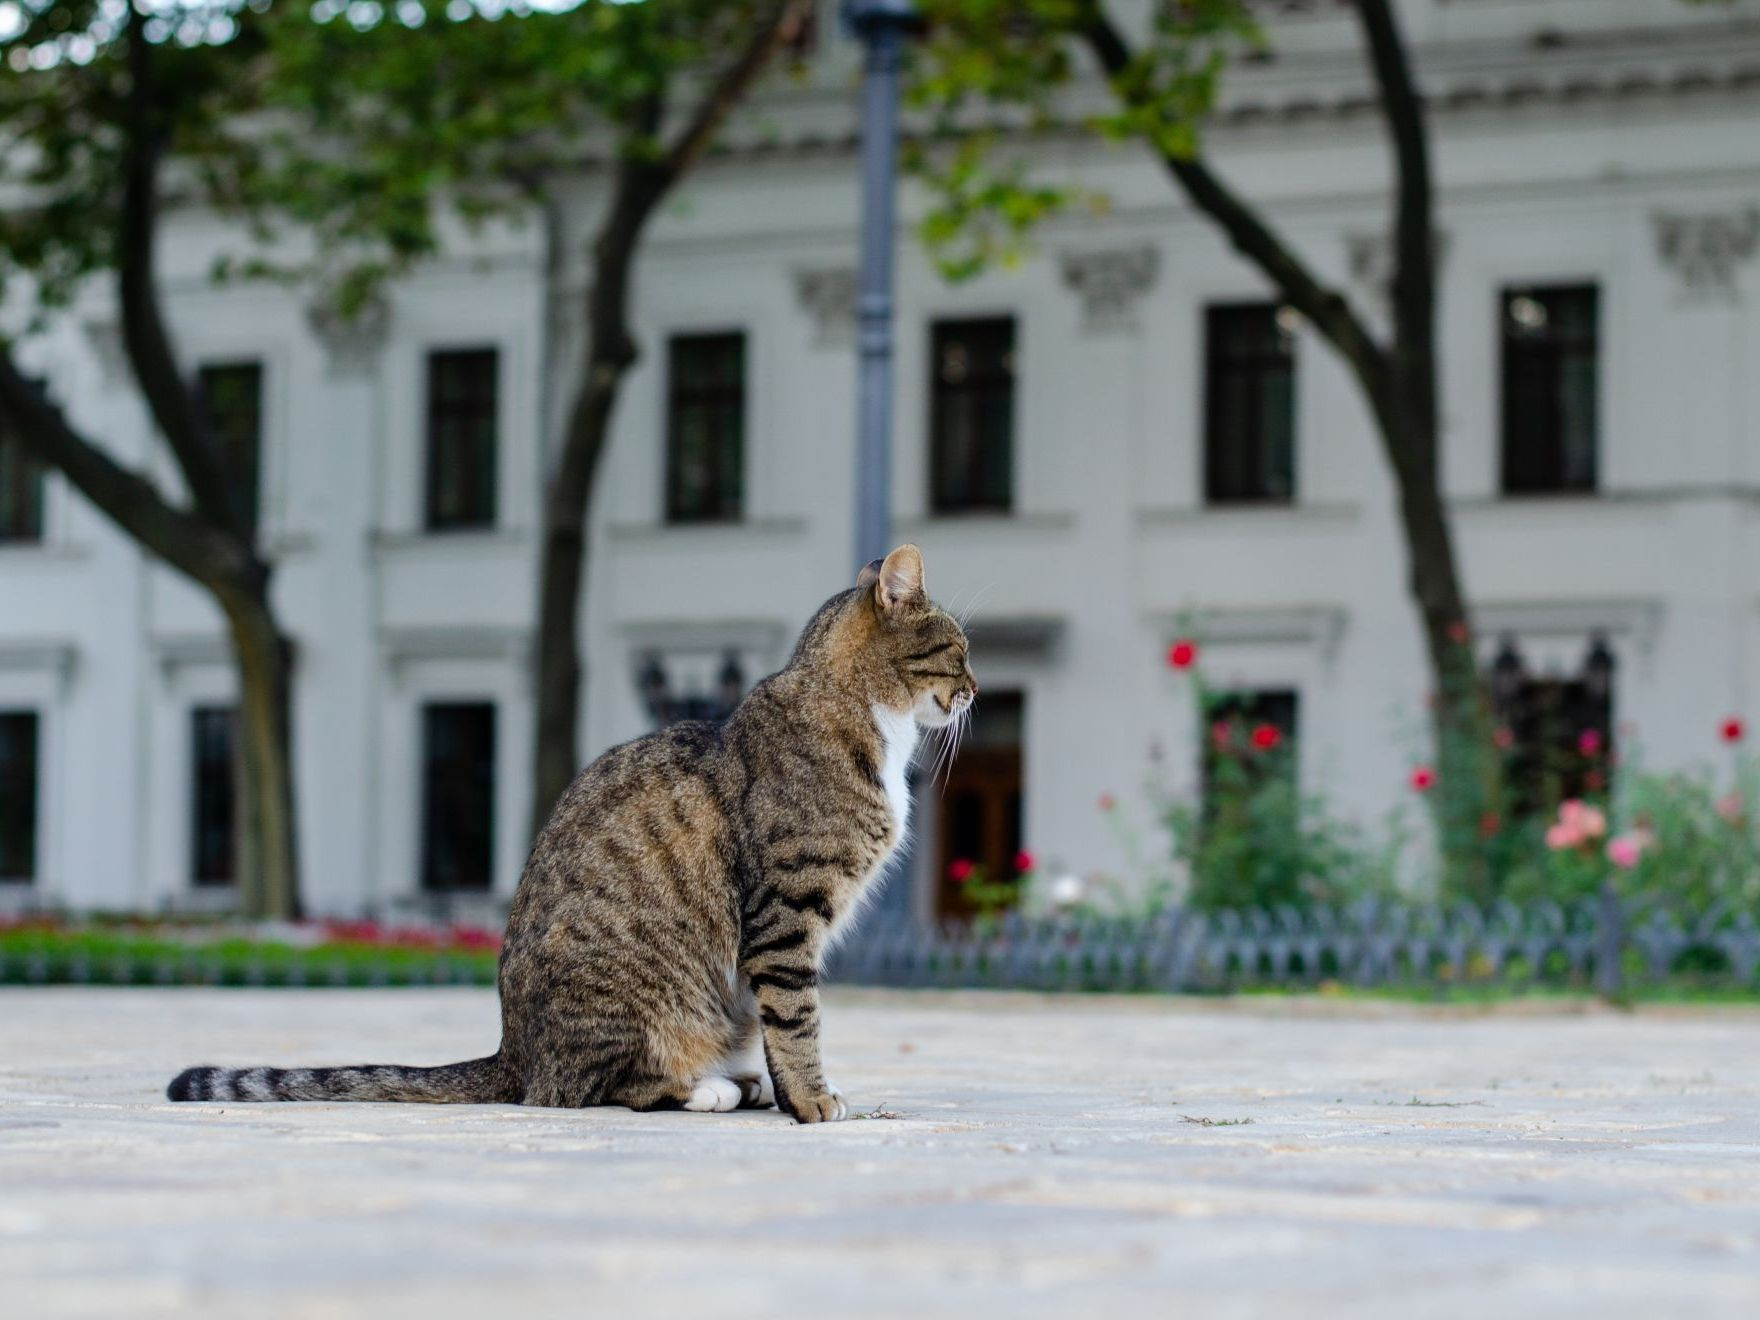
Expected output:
(1367, 1162)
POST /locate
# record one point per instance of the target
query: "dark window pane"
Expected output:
(231, 395)
(705, 427)
(458, 798)
(971, 421)
(1551, 378)
(1249, 405)
(214, 843)
(18, 795)
(1557, 729)
(21, 492)
(462, 409)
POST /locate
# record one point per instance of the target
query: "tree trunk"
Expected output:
(562, 570)
(268, 861)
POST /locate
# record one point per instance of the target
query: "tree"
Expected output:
(492, 117)
(108, 114)
(1024, 53)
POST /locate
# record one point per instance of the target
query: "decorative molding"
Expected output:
(1704, 249)
(1369, 258)
(828, 295)
(1109, 282)
(104, 338)
(41, 655)
(1554, 633)
(1318, 626)
(351, 343)
(1017, 637)
(184, 650)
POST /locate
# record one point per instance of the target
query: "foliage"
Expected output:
(143, 953)
(990, 64)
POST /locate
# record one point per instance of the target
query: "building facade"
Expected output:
(1121, 442)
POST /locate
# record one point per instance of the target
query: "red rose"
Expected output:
(960, 870)
(1222, 734)
(1505, 738)
(1023, 862)
(1423, 779)
(1266, 736)
(1589, 742)
(1458, 632)
(1107, 802)
(1733, 729)
(1183, 654)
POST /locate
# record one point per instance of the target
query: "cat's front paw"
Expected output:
(825, 1107)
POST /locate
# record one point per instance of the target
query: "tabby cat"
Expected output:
(688, 884)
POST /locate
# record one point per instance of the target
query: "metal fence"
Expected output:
(1608, 945)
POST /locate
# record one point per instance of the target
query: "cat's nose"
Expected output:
(974, 682)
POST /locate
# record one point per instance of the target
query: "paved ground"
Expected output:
(1042, 1162)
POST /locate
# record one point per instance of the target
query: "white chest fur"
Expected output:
(898, 733)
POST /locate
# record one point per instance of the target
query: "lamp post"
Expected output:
(882, 25)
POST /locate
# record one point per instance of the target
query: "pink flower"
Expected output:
(1266, 736)
(1221, 735)
(1561, 836)
(1459, 633)
(1589, 742)
(1732, 729)
(1504, 738)
(1183, 654)
(1423, 779)
(960, 869)
(1023, 862)
(1625, 850)
(1107, 802)
(1588, 822)
(1732, 807)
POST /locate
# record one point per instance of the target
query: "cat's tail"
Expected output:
(480, 1081)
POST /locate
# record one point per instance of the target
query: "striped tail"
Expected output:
(480, 1081)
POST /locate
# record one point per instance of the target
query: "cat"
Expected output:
(682, 897)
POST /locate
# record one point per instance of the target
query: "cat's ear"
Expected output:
(900, 579)
(870, 573)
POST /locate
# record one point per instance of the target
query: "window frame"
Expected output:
(968, 497)
(1258, 367)
(32, 794)
(480, 492)
(723, 400)
(434, 810)
(244, 481)
(1514, 415)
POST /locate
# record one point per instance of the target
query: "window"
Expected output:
(971, 425)
(980, 810)
(1252, 734)
(458, 796)
(213, 790)
(18, 795)
(231, 395)
(1551, 378)
(705, 427)
(1556, 729)
(21, 492)
(1249, 405)
(462, 407)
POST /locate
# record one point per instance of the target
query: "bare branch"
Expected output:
(187, 542)
(1328, 310)
(144, 333)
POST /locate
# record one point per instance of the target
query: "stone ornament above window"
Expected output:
(351, 343)
(828, 295)
(1369, 257)
(1706, 249)
(1109, 282)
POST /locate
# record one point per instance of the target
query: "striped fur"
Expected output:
(677, 906)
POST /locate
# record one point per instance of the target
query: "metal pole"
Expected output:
(882, 24)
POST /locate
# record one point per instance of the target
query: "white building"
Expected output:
(1599, 165)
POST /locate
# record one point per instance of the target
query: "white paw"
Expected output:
(834, 1088)
(714, 1095)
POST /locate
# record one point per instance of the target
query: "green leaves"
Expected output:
(993, 72)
